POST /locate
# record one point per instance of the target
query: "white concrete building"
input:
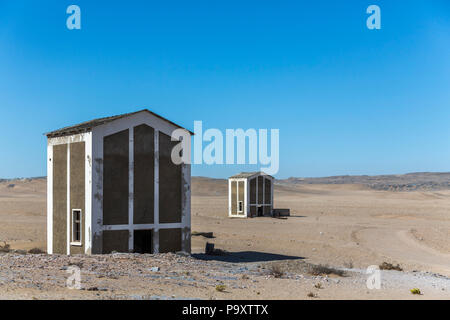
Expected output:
(250, 194)
(112, 186)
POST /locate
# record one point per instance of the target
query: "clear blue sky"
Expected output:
(347, 100)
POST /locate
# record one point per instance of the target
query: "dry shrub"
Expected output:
(221, 287)
(390, 266)
(36, 251)
(276, 271)
(5, 248)
(348, 264)
(320, 270)
(311, 295)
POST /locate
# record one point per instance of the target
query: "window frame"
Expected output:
(74, 242)
(240, 206)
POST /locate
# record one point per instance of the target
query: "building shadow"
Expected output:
(245, 256)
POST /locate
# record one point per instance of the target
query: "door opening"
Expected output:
(260, 211)
(143, 241)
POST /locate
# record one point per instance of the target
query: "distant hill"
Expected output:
(422, 181)
(405, 182)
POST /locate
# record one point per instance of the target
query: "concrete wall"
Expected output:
(77, 190)
(115, 240)
(241, 196)
(252, 191)
(144, 174)
(69, 185)
(169, 183)
(158, 196)
(115, 178)
(267, 191)
(260, 189)
(169, 240)
(59, 199)
(233, 197)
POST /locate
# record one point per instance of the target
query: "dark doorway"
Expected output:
(260, 211)
(143, 241)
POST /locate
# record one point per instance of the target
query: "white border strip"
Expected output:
(49, 199)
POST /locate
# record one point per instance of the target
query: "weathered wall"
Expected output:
(267, 191)
(115, 240)
(169, 183)
(115, 178)
(233, 197)
(77, 190)
(144, 174)
(60, 199)
(241, 195)
(260, 189)
(252, 190)
(169, 240)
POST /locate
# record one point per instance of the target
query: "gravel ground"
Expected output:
(177, 276)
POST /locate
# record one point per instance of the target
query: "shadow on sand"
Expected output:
(245, 256)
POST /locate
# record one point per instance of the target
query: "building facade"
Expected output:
(112, 186)
(250, 194)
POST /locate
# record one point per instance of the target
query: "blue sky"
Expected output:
(347, 100)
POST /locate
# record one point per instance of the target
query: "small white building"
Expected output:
(250, 194)
(112, 186)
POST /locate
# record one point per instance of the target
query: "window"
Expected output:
(240, 209)
(76, 227)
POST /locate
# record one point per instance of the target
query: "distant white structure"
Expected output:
(250, 194)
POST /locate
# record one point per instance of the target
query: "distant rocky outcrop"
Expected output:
(425, 181)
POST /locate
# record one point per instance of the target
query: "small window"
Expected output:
(241, 206)
(76, 227)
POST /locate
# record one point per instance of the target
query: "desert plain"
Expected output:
(345, 224)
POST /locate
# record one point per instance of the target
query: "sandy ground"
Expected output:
(347, 226)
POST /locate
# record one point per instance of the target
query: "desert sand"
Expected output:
(346, 223)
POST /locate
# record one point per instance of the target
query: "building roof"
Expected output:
(245, 175)
(88, 125)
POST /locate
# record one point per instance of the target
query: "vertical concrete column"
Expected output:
(88, 194)
(244, 209)
(156, 198)
(130, 189)
(97, 191)
(68, 199)
(229, 197)
(186, 207)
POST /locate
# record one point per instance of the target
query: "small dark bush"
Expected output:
(320, 270)
(276, 271)
(390, 266)
(221, 287)
(36, 251)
